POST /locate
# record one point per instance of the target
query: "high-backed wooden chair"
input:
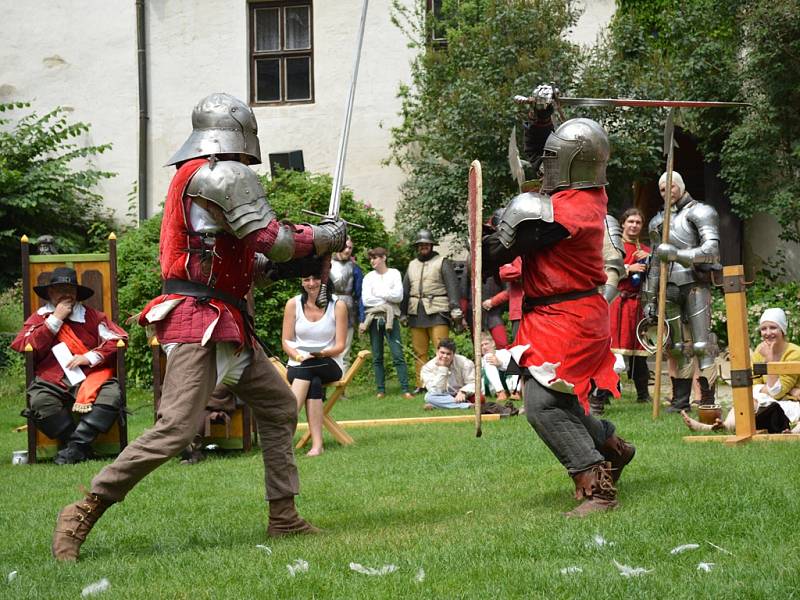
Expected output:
(96, 271)
(339, 388)
(234, 435)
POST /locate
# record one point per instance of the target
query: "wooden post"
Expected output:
(739, 348)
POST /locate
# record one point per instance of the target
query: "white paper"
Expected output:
(63, 356)
(627, 571)
(705, 567)
(298, 566)
(420, 576)
(571, 570)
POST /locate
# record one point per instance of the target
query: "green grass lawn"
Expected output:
(481, 517)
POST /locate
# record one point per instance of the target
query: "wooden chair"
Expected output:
(96, 271)
(235, 435)
(339, 388)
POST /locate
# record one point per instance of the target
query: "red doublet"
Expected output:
(626, 311)
(36, 333)
(230, 269)
(572, 336)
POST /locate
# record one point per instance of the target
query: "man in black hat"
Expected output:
(431, 300)
(82, 385)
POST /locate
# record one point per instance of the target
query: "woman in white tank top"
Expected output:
(314, 340)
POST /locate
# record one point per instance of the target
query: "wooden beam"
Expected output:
(407, 421)
(737, 439)
(777, 368)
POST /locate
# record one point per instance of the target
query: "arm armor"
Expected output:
(237, 191)
(528, 206)
(329, 236)
(706, 219)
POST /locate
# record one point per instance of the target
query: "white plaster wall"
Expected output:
(596, 16)
(82, 56)
(762, 245)
(197, 48)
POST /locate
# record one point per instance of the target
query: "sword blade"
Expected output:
(633, 102)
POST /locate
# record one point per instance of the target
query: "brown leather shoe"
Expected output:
(408, 396)
(73, 525)
(284, 520)
(595, 487)
(619, 453)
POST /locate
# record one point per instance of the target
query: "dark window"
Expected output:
(281, 52)
(287, 160)
(437, 34)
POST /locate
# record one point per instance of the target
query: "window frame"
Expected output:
(281, 54)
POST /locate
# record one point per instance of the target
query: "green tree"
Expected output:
(47, 184)
(459, 104)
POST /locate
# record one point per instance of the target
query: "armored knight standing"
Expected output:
(692, 252)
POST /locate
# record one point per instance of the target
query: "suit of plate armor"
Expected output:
(692, 252)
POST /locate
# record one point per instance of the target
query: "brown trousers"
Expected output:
(189, 381)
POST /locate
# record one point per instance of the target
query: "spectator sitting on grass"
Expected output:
(494, 364)
(449, 378)
(774, 396)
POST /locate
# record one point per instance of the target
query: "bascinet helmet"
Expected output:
(236, 189)
(575, 156)
(424, 236)
(221, 124)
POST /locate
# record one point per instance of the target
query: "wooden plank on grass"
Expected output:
(406, 421)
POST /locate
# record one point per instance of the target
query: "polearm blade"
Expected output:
(475, 213)
(669, 150)
(336, 190)
(633, 102)
(338, 174)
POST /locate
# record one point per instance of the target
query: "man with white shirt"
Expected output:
(381, 294)
(91, 337)
(449, 378)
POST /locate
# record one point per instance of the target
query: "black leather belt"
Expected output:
(529, 304)
(202, 292)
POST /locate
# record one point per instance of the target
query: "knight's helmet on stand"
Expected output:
(575, 156)
(221, 124)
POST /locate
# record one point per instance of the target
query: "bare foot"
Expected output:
(315, 452)
(695, 425)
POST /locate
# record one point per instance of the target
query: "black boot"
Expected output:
(97, 421)
(641, 377)
(597, 402)
(57, 427)
(708, 392)
(681, 393)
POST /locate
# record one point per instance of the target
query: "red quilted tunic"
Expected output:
(570, 341)
(626, 311)
(230, 271)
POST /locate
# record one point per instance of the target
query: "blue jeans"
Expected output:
(445, 401)
(377, 331)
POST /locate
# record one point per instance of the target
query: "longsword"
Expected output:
(336, 190)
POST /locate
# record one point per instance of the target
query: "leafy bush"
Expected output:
(41, 189)
(288, 192)
(10, 323)
(764, 293)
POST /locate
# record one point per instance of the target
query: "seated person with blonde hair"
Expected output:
(494, 364)
(774, 396)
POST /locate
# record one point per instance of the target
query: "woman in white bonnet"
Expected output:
(775, 397)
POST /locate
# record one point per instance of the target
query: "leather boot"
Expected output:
(97, 421)
(641, 378)
(597, 402)
(284, 520)
(73, 525)
(595, 487)
(618, 453)
(681, 395)
(57, 427)
(708, 392)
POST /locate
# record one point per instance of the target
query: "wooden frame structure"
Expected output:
(742, 370)
(96, 271)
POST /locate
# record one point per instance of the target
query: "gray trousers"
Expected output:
(47, 399)
(560, 421)
(189, 381)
